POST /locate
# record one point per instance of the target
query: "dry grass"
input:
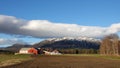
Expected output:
(10, 59)
(68, 62)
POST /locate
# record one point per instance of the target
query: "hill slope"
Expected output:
(65, 43)
(16, 47)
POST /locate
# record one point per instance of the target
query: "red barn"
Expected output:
(33, 51)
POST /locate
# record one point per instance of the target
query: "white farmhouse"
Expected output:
(24, 50)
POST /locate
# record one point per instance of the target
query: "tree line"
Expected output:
(78, 51)
(73, 51)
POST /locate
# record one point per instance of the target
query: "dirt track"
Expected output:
(68, 62)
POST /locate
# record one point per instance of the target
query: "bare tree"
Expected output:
(110, 45)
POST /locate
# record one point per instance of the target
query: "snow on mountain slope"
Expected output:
(74, 38)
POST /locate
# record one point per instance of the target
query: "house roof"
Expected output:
(24, 49)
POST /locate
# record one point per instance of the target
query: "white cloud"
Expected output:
(47, 29)
(114, 28)
(4, 41)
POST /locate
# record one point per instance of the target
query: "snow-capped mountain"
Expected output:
(69, 42)
(74, 38)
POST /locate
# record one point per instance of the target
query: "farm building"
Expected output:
(28, 51)
(24, 50)
(33, 51)
(55, 52)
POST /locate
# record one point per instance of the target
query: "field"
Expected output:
(69, 61)
(9, 59)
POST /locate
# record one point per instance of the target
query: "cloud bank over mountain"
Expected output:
(47, 29)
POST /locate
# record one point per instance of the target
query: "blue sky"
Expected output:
(85, 14)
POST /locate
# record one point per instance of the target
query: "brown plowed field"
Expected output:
(68, 62)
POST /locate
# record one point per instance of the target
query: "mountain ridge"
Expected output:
(68, 42)
(62, 43)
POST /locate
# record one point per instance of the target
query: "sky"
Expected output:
(31, 21)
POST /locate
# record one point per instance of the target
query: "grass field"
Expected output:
(69, 61)
(9, 59)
